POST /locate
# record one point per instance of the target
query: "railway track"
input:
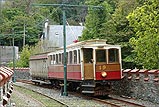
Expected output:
(63, 104)
(118, 102)
(30, 82)
(113, 102)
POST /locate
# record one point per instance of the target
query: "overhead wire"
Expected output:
(73, 33)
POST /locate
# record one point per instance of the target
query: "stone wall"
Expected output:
(139, 84)
(22, 73)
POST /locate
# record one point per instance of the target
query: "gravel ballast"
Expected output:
(74, 101)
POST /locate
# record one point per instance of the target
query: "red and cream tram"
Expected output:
(91, 65)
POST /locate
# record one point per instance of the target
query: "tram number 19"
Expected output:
(102, 67)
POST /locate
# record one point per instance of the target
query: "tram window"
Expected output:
(79, 58)
(70, 57)
(51, 59)
(57, 58)
(113, 55)
(75, 56)
(54, 62)
(63, 58)
(101, 55)
(67, 57)
(88, 55)
(60, 58)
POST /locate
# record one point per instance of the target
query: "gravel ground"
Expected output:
(70, 100)
(28, 102)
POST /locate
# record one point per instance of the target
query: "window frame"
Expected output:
(117, 60)
(106, 54)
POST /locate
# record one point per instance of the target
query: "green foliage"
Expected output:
(111, 23)
(24, 57)
(23, 61)
(144, 21)
(133, 24)
(95, 19)
(117, 30)
(15, 16)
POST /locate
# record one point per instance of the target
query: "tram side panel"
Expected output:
(56, 67)
(74, 72)
(57, 71)
(39, 69)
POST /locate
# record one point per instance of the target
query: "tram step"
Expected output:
(85, 85)
(41, 82)
(89, 92)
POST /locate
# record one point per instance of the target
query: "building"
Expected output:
(54, 34)
(6, 54)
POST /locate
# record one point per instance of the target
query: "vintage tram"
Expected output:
(91, 66)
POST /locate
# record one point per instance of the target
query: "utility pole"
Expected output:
(24, 35)
(0, 54)
(64, 6)
(65, 55)
(13, 78)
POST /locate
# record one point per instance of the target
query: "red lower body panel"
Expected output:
(70, 75)
(111, 75)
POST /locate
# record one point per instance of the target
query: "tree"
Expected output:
(118, 31)
(144, 21)
(14, 17)
(24, 57)
(111, 24)
(95, 19)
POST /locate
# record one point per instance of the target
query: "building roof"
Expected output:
(54, 34)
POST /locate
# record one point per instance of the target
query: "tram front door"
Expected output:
(88, 63)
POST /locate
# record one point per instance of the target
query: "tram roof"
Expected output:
(92, 43)
(87, 43)
(40, 56)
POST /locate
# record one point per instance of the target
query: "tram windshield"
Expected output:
(113, 55)
(100, 56)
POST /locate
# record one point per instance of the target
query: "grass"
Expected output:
(44, 100)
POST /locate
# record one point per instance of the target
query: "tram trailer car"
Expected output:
(91, 66)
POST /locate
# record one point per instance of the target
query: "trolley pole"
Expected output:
(63, 6)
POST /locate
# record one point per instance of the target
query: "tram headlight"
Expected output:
(104, 74)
